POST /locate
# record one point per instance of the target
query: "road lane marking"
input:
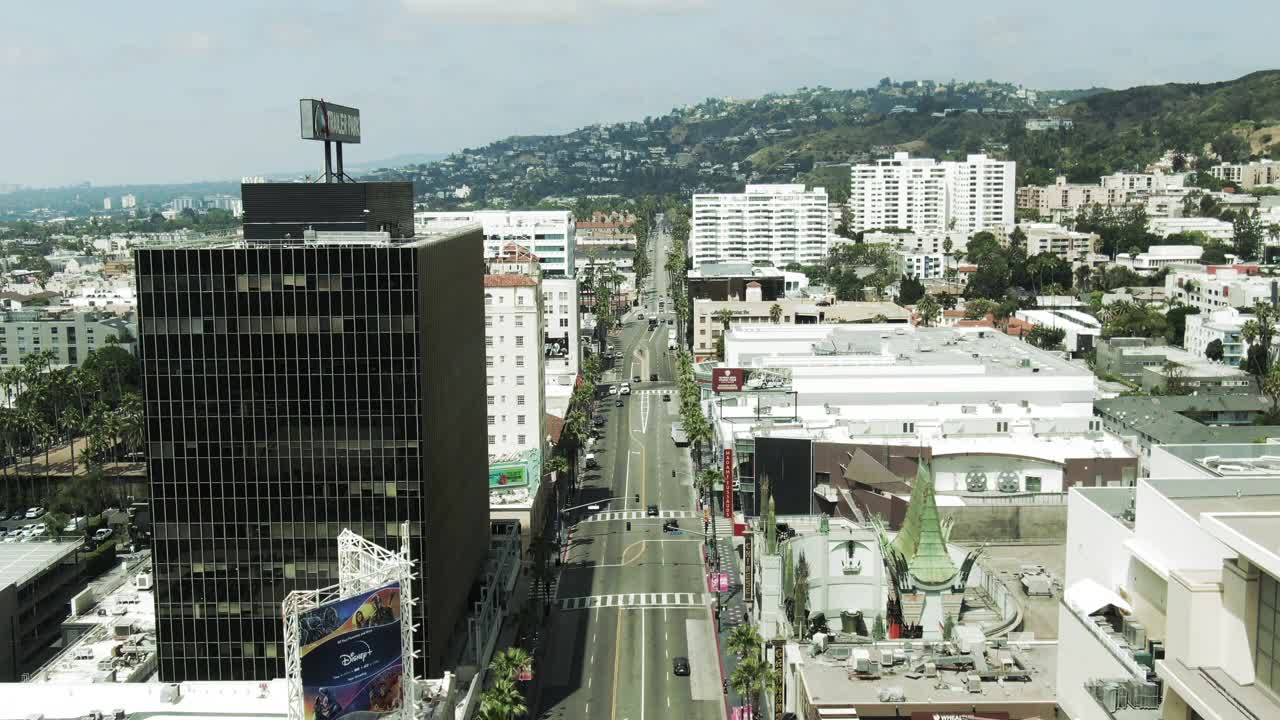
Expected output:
(617, 654)
(642, 668)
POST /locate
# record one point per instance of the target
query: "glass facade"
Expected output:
(284, 391)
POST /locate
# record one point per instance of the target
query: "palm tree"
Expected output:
(507, 664)
(748, 680)
(775, 313)
(503, 701)
(744, 641)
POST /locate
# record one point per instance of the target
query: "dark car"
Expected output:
(618, 402)
(635, 378)
(651, 511)
(666, 397)
(653, 377)
(680, 666)
(671, 526)
(598, 422)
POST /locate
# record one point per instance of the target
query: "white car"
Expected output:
(626, 389)
(34, 513)
(40, 531)
(103, 534)
(613, 389)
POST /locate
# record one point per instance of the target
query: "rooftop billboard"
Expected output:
(351, 656)
(327, 121)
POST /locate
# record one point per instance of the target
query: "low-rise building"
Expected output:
(1214, 287)
(933, 243)
(1248, 175)
(1147, 422)
(1158, 257)
(1081, 329)
(919, 265)
(37, 581)
(1151, 364)
(1211, 227)
(71, 336)
(1053, 239)
(1224, 325)
(1064, 198)
(708, 325)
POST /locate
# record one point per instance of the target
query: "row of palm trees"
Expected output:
(753, 674)
(47, 406)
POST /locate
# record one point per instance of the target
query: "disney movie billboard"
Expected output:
(351, 656)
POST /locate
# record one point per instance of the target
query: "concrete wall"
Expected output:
(951, 471)
(995, 523)
(1082, 657)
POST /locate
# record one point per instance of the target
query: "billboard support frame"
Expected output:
(362, 566)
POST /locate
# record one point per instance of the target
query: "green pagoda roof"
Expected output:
(921, 540)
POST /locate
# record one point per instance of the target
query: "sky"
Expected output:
(146, 91)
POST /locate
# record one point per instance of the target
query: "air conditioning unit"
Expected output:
(143, 581)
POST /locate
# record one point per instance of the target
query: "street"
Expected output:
(631, 598)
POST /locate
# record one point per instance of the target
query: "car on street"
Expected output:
(618, 402)
(666, 397)
(653, 377)
(613, 389)
(39, 531)
(593, 508)
(35, 513)
(671, 526)
(598, 422)
(626, 388)
(591, 462)
(4, 514)
(651, 511)
(103, 534)
(680, 666)
(635, 378)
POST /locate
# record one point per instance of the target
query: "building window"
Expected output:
(488, 341)
(491, 419)
(519, 321)
(1002, 426)
(908, 427)
(488, 380)
(1033, 483)
(520, 419)
(519, 361)
(492, 439)
(490, 399)
(1267, 657)
(519, 399)
(520, 439)
(519, 341)
(519, 379)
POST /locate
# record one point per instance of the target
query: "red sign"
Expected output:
(728, 482)
(957, 715)
(726, 380)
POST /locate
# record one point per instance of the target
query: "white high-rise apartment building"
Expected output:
(549, 234)
(777, 224)
(513, 364)
(927, 196)
(106, 203)
(560, 329)
(128, 201)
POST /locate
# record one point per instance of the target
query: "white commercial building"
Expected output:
(1081, 330)
(1158, 257)
(513, 341)
(1170, 604)
(924, 195)
(549, 234)
(1212, 227)
(775, 224)
(106, 203)
(997, 414)
(1213, 287)
(1250, 175)
(1144, 182)
(128, 201)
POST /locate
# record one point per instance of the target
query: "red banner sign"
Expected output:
(726, 380)
(728, 483)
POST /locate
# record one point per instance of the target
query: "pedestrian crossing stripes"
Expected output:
(640, 515)
(637, 600)
(652, 391)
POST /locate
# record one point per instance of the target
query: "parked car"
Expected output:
(74, 524)
(591, 463)
(34, 513)
(618, 402)
(103, 534)
(4, 514)
(680, 666)
(613, 389)
(39, 531)
(626, 387)
(598, 422)
(635, 378)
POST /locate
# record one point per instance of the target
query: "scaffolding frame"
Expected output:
(362, 566)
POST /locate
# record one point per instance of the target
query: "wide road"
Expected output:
(629, 601)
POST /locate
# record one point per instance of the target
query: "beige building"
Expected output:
(1063, 196)
(708, 327)
(1250, 175)
(1051, 238)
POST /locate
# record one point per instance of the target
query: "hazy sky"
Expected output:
(151, 91)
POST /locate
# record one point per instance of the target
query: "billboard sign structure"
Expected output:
(352, 656)
(751, 380)
(515, 470)
(328, 121)
(778, 696)
(748, 569)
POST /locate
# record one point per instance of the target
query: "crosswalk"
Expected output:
(638, 515)
(637, 600)
(652, 391)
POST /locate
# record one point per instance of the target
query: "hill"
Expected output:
(811, 135)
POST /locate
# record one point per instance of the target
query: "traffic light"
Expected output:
(628, 525)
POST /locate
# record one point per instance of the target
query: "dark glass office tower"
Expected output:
(293, 391)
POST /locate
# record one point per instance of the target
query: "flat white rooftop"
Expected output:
(19, 562)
